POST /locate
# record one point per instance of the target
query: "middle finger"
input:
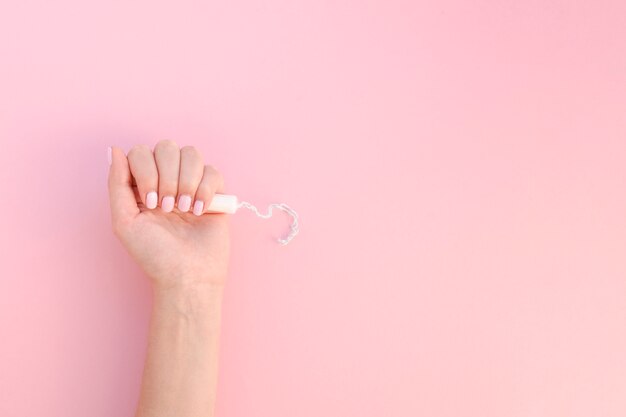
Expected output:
(167, 157)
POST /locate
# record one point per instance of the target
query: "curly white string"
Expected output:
(282, 206)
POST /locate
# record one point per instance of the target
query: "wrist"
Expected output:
(197, 298)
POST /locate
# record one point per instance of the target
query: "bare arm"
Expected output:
(180, 375)
(158, 203)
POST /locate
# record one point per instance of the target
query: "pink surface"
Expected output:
(458, 166)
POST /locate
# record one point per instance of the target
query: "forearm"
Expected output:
(180, 374)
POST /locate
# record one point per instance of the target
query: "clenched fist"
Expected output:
(158, 208)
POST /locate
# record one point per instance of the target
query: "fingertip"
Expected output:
(198, 207)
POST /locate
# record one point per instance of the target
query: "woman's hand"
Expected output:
(157, 204)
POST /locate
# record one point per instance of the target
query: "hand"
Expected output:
(157, 204)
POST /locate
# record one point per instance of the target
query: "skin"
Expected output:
(186, 257)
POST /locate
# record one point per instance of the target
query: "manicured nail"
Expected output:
(184, 203)
(151, 199)
(198, 206)
(168, 203)
(110, 155)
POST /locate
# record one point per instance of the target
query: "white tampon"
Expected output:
(225, 203)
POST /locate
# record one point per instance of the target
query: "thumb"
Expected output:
(121, 196)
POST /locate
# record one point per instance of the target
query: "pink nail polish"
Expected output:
(198, 206)
(184, 203)
(167, 204)
(110, 155)
(151, 199)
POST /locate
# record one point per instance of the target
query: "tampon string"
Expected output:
(293, 228)
(226, 203)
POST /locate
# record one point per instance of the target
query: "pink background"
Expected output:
(458, 166)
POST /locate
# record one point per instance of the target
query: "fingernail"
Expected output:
(184, 203)
(168, 203)
(198, 206)
(110, 155)
(151, 199)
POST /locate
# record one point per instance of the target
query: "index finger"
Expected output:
(121, 196)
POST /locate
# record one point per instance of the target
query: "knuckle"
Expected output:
(210, 171)
(214, 176)
(137, 150)
(166, 144)
(189, 151)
